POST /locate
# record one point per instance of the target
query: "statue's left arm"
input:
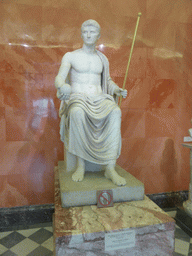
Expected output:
(113, 89)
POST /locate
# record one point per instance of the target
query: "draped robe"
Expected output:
(90, 125)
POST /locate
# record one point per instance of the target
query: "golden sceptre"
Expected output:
(128, 64)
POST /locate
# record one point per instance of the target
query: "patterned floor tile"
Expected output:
(28, 232)
(25, 247)
(2, 249)
(180, 234)
(3, 234)
(9, 253)
(41, 251)
(172, 213)
(49, 229)
(181, 247)
(178, 254)
(41, 236)
(48, 244)
(12, 239)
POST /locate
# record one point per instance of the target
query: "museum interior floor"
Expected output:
(38, 241)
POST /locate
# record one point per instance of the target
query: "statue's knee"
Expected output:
(117, 112)
(76, 111)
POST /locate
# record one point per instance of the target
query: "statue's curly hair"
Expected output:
(90, 23)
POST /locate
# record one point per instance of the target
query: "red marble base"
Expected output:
(144, 228)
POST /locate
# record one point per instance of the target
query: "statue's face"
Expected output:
(90, 35)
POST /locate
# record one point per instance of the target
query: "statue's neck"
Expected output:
(90, 49)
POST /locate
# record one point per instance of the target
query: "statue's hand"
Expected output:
(64, 91)
(120, 92)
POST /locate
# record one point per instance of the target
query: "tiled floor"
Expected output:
(29, 242)
(38, 241)
(183, 243)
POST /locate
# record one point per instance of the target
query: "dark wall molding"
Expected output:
(25, 216)
(170, 199)
(30, 216)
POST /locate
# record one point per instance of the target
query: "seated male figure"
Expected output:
(90, 117)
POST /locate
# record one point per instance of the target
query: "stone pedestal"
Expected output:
(138, 228)
(84, 192)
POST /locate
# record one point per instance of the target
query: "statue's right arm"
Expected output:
(63, 89)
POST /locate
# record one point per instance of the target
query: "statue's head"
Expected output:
(90, 23)
(90, 32)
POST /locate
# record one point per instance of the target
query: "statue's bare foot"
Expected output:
(115, 177)
(78, 175)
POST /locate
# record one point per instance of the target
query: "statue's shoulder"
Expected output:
(73, 53)
(69, 56)
(102, 56)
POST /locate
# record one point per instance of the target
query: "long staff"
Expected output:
(130, 55)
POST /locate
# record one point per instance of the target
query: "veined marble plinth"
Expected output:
(83, 231)
(84, 192)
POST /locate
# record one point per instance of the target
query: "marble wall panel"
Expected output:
(175, 11)
(160, 123)
(13, 190)
(161, 63)
(21, 23)
(34, 35)
(2, 124)
(26, 2)
(119, 60)
(2, 128)
(157, 162)
(133, 123)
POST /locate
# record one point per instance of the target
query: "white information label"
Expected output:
(119, 240)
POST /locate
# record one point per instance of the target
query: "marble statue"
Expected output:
(90, 117)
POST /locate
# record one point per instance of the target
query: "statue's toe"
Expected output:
(121, 182)
(77, 176)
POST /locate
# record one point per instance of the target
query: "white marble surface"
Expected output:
(84, 192)
(90, 124)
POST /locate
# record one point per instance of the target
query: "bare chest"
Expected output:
(87, 63)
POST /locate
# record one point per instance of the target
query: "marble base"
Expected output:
(84, 192)
(83, 231)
